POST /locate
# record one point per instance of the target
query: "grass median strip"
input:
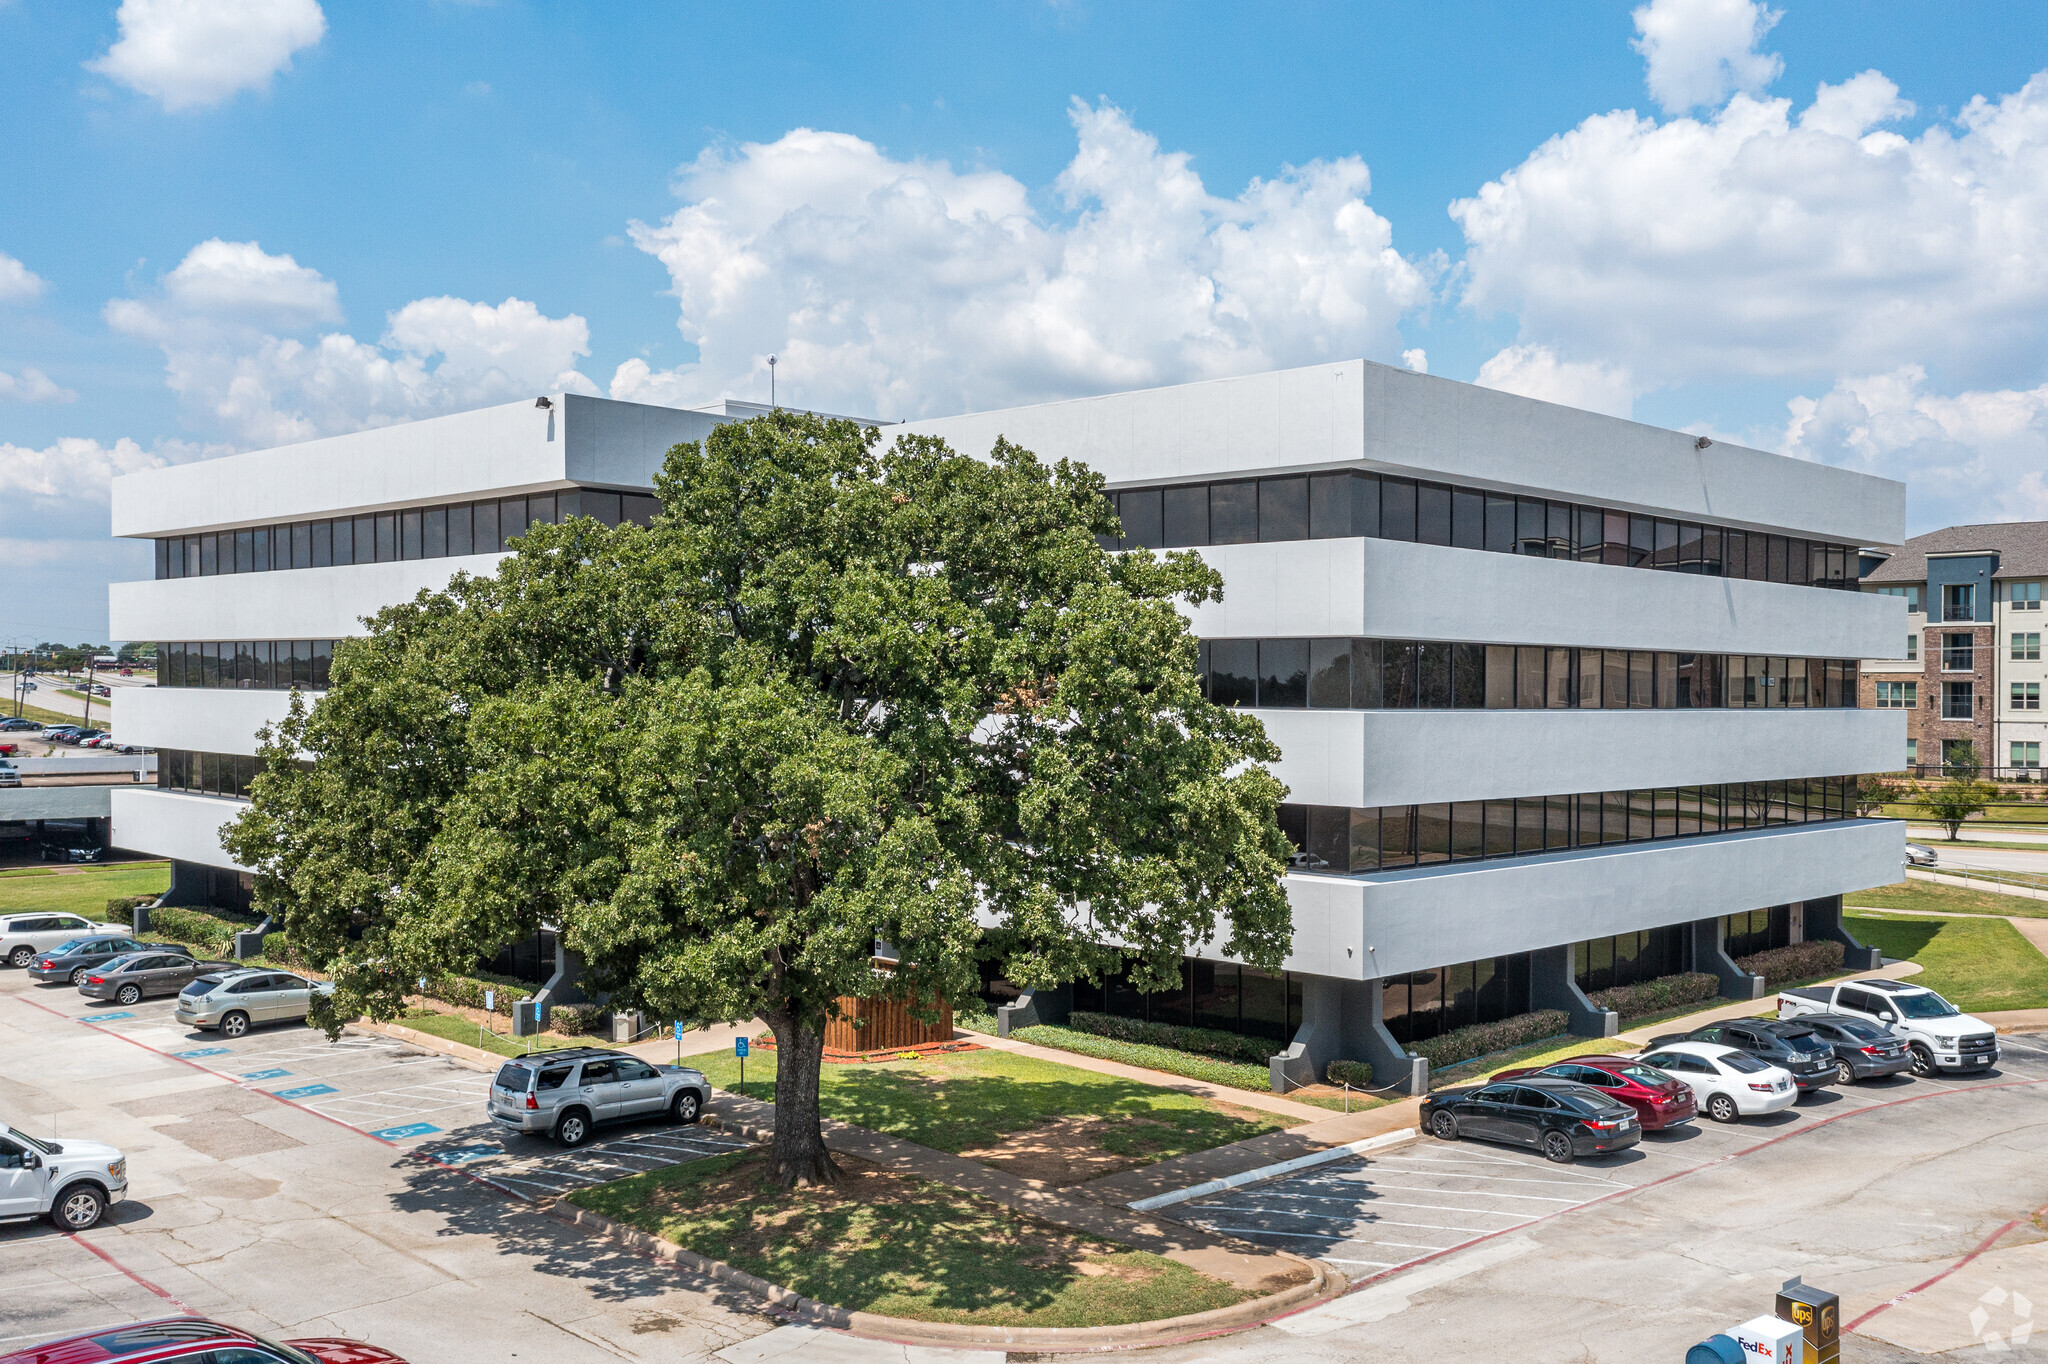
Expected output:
(1032, 1118)
(84, 893)
(903, 1247)
(1932, 895)
(455, 1028)
(1977, 964)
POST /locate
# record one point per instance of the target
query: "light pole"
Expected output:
(771, 383)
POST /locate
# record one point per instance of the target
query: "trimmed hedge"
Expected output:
(1225, 1046)
(1657, 996)
(1235, 1074)
(211, 934)
(467, 992)
(1357, 1074)
(1802, 961)
(580, 1020)
(121, 909)
(1462, 1044)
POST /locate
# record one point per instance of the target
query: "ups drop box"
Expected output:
(1818, 1314)
(1767, 1340)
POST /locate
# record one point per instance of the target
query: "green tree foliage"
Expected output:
(833, 697)
(1875, 791)
(1962, 795)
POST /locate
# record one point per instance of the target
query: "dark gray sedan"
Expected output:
(72, 960)
(128, 979)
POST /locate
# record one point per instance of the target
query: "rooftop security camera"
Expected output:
(543, 401)
(1701, 443)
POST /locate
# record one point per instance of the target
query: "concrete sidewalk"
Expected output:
(1243, 1098)
(1233, 1261)
(1974, 883)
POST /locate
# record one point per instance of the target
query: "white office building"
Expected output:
(1564, 701)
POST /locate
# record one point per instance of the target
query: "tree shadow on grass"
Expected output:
(1898, 938)
(957, 1113)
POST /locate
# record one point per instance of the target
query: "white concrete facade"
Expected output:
(1355, 415)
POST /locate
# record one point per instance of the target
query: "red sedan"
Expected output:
(1659, 1100)
(191, 1338)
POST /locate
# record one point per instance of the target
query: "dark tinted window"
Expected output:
(1433, 514)
(1233, 513)
(513, 1077)
(1140, 513)
(553, 1079)
(1397, 509)
(1329, 506)
(1186, 514)
(1283, 509)
(1283, 672)
(1233, 672)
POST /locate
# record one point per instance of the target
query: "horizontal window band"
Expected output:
(1386, 674)
(1349, 504)
(246, 665)
(1340, 840)
(449, 530)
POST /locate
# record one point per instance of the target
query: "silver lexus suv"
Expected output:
(238, 998)
(566, 1094)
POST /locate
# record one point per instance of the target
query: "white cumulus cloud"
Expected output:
(240, 329)
(1699, 52)
(1757, 243)
(192, 53)
(902, 288)
(70, 469)
(34, 386)
(1978, 455)
(1536, 372)
(18, 283)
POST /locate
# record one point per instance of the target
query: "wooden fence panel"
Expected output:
(886, 1024)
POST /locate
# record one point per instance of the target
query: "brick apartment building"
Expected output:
(1971, 669)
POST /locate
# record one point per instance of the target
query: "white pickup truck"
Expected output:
(1941, 1036)
(71, 1183)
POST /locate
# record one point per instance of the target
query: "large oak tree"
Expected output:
(834, 697)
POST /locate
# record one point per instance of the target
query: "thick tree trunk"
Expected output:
(798, 1155)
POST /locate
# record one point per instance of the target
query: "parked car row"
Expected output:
(1728, 1070)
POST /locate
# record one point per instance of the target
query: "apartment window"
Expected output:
(2026, 754)
(1912, 753)
(2024, 596)
(2026, 696)
(1913, 646)
(1958, 652)
(1898, 695)
(2026, 648)
(1959, 601)
(1955, 700)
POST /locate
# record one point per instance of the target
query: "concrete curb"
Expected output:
(476, 1058)
(1323, 1284)
(1253, 1176)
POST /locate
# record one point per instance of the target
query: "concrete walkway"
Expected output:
(1233, 1261)
(1243, 1098)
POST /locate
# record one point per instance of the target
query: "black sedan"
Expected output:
(128, 979)
(1561, 1119)
(73, 960)
(1863, 1049)
(1786, 1043)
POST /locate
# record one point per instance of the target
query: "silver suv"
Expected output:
(566, 1094)
(235, 1000)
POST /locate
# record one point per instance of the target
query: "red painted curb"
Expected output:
(167, 1297)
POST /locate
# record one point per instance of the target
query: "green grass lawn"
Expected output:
(455, 1028)
(903, 1247)
(1931, 895)
(81, 892)
(48, 717)
(1977, 964)
(972, 1100)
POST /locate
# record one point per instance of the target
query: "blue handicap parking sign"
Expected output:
(305, 1091)
(739, 1046)
(105, 1018)
(679, 1032)
(411, 1129)
(266, 1075)
(201, 1051)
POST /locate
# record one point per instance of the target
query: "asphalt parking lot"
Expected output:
(1371, 1216)
(301, 1187)
(422, 1102)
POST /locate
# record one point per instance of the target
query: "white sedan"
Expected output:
(1727, 1083)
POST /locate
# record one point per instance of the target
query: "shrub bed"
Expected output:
(210, 934)
(1357, 1074)
(1226, 1046)
(579, 1020)
(1801, 961)
(121, 909)
(1659, 995)
(1236, 1074)
(1462, 1044)
(467, 992)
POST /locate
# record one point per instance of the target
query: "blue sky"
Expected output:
(309, 220)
